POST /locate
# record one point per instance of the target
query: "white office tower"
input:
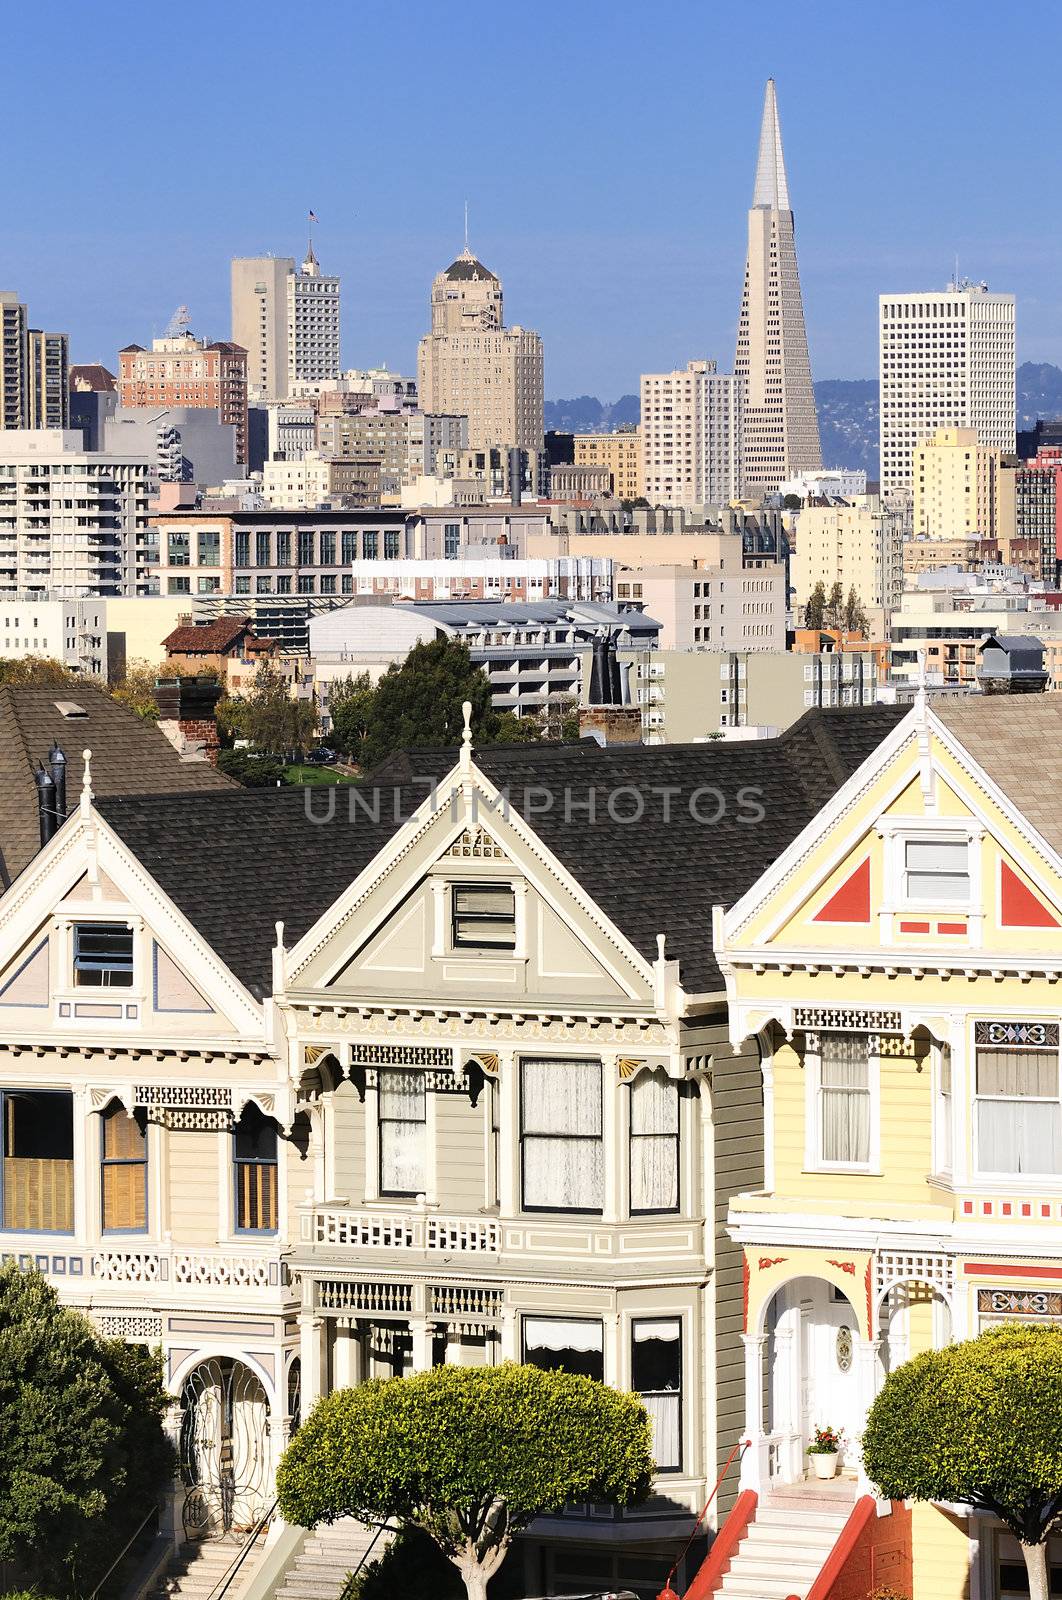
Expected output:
(287, 321)
(779, 423)
(691, 436)
(313, 324)
(946, 361)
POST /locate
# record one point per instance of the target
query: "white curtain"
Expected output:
(654, 1143)
(656, 1370)
(403, 1167)
(1019, 1121)
(564, 1167)
(665, 1411)
(844, 1084)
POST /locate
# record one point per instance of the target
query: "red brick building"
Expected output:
(185, 371)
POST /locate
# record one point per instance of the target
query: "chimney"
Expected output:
(186, 716)
(1011, 664)
(57, 768)
(46, 812)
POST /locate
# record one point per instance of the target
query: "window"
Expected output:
(328, 549)
(654, 1143)
(241, 549)
(844, 1099)
(328, 583)
(561, 1135)
(483, 916)
(123, 1177)
(208, 549)
(565, 1345)
(305, 548)
(1019, 1119)
(255, 1163)
(103, 955)
(391, 544)
(178, 546)
(403, 1132)
(179, 586)
(656, 1374)
(370, 546)
(943, 1157)
(937, 870)
(261, 548)
(208, 586)
(283, 550)
(38, 1161)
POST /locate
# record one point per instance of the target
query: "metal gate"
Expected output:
(225, 1455)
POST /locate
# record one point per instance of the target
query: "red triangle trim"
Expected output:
(1018, 906)
(851, 902)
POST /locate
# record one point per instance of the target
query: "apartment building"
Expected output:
(73, 632)
(961, 488)
(859, 547)
(897, 966)
(14, 361)
(691, 436)
(712, 605)
(405, 442)
(472, 365)
(947, 360)
(34, 371)
(186, 371)
(288, 322)
(317, 480)
(73, 522)
(487, 572)
(946, 627)
(1038, 508)
(312, 323)
(621, 451)
(686, 695)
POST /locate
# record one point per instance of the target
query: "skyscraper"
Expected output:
(471, 365)
(49, 379)
(780, 427)
(691, 436)
(14, 362)
(287, 321)
(947, 361)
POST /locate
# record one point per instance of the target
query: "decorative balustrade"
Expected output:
(183, 1269)
(360, 1230)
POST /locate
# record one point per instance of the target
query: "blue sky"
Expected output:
(607, 151)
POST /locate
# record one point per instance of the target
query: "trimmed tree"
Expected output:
(470, 1455)
(979, 1424)
(84, 1454)
(815, 609)
(350, 702)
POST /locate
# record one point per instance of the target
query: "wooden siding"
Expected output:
(194, 1201)
(348, 1144)
(459, 1168)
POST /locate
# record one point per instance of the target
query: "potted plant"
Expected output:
(824, 1451)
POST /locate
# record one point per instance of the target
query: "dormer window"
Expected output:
(937, 871)
(483, 916)
(103, 955)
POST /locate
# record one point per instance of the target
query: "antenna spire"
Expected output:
(466, 227)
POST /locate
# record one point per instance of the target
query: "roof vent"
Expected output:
(70, 709)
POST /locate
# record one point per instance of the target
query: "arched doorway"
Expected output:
(812, 1378)
(912, 1316)
(224, 1449)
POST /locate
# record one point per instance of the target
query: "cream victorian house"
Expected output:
(308, 1087)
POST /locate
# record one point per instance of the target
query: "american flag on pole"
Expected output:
(313, 216)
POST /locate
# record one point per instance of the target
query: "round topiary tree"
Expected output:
(471, 1455)
(979, 1424)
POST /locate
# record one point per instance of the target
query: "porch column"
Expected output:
(753, 1474)
(423, 1333)
(868, 1382)
(509, 1340)
(311, 1352)
(344, 1375)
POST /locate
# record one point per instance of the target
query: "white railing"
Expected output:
(361, 1230)
(184, 1269)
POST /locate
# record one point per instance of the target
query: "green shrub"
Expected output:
(253, 771)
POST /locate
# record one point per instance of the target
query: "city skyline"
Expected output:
(895, 169)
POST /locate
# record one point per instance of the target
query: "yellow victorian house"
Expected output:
(899, 967)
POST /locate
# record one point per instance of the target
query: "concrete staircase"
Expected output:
(787, 1543)
(328, 1556)
(198, 1569)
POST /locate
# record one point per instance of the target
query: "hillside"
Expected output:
(848, 413)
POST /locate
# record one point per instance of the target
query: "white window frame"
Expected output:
(813, 1159)
(896, 834)
(1006, 1181)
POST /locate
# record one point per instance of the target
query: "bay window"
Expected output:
(654, 1143)
(123, 1171)
(255, 1163)
(844, 1100)
(403, 1132)
(1019, 1117)
(656, 1375)
(561, 1135)
(565, 1344)
(38, 1182)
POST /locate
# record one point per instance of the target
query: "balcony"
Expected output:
(123, 1271)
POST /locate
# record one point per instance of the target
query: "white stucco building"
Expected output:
(691, 436)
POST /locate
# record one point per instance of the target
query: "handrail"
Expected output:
(667, 1592)
(860, 1515)
(217, 1593)
(123, 1551)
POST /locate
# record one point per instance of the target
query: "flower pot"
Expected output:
(824, 1463)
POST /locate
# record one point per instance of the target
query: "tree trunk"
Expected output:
(1036, 1566)
(475, 1581)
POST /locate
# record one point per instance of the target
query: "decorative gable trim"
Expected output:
(851, 902)
(1018, 906)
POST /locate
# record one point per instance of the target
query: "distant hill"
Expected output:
(848, 413)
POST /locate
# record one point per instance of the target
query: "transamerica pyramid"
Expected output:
(780, 428)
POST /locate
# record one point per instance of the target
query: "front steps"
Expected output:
(197, 1570)
(788, 1541)
(328, 1556)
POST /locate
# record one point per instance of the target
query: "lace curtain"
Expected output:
(564, 1167)
(403, 1144)
(654, 1143)
(656, 1373)
(1019, 1121)
(844, 1092)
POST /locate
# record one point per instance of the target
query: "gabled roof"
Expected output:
(1017, 740)
(236, 864)
(209, 637)
(128, 757)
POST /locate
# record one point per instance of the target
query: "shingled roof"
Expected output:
(128, 757)
(208, 638)
(236, 864)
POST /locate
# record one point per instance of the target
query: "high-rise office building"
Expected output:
(48, 377)
(287, 321)
(472, 365)
(946, 361)
(779, 424)
(185, 371)
(691, 436)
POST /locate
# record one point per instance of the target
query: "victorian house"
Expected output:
(897, 968)
(310, 1086)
